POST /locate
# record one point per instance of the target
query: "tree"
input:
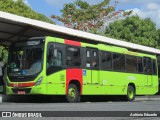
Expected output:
(82, 16)
(136, 30)
(20, 8)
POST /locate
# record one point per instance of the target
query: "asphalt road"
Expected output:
(83, 106)
(96, 106)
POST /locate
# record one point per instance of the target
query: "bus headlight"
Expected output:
(38, 82)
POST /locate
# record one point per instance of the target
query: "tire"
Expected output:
(73, 94)
(130, 93)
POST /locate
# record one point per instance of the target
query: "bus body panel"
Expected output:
(116, 83)
(74, 75)
(56, 83)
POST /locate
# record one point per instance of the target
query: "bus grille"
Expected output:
(26, 90)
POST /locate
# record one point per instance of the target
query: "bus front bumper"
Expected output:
(41, 89)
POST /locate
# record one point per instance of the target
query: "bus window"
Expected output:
(154, 68)
(131, 64)
(94, 59)
(103, 60)
(109, 60)
(54, 59)
(73, 57)
(147, 65)
(88, 59)
(118, 62)
(139, 65)
(106, 60)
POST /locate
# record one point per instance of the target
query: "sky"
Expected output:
(143, 8)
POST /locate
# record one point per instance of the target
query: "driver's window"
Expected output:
(54, 58)
(50, 56)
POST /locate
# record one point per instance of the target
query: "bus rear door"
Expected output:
(93, 64)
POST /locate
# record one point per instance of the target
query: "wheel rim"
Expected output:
(72, 93)
(130, 94)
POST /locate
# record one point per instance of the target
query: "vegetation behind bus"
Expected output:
(18, 7)
(81, 15)
(136, 30)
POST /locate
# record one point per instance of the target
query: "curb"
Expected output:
(148, 97)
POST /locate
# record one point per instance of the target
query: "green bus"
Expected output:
(56, 66)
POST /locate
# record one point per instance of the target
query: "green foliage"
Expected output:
(136, 30)
(82, 16)
(5, 57)
(20, 8)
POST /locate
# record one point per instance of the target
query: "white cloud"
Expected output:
(152, 6)
(145, 9)
(26, 2)
(154, 14)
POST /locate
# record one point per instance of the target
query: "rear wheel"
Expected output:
(130, 93)
(73, 94)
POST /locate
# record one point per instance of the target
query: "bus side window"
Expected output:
(73, 57)
(139, 65)
(103, 60)
(109, 60)
(147, 65)
(88, 59)
(154, 68)
(95, 59)
(131, 64)
(118, 62)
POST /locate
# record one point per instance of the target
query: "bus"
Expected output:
(55, 66)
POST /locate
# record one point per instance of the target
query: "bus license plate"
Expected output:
(21, 92)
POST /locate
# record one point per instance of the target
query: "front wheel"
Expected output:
(73, 94)
(130, 93)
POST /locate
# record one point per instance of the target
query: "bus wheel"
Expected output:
(130, 93)
(73, 94)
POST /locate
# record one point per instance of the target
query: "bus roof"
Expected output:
(16, 28)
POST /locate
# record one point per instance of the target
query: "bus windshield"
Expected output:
(25, 60)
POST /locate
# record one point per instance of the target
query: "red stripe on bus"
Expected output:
(74, 74)
(70, 42)
(21, 84)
